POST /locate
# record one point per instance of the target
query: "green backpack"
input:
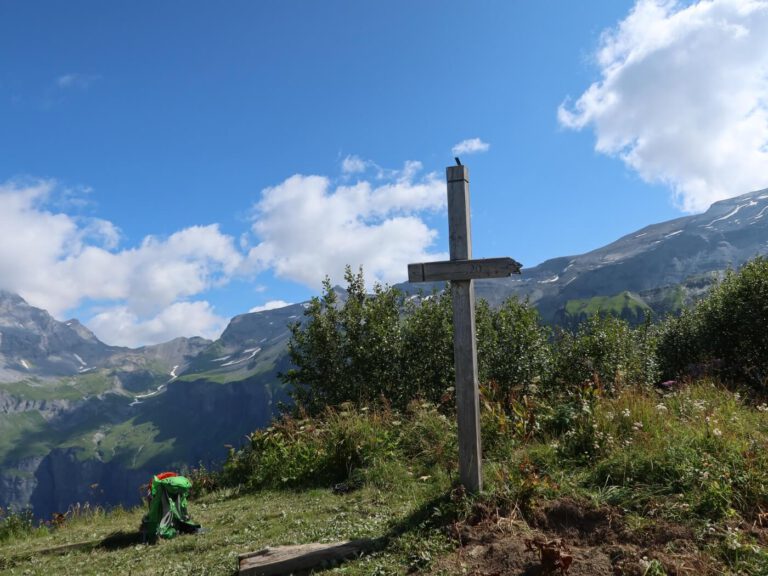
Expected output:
(168, 513)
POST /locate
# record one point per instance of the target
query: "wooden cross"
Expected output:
(461, 270)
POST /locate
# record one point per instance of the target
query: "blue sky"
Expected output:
(167, 165)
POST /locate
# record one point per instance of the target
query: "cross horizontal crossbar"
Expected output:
(463, 269)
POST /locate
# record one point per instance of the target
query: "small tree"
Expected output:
(514, 348)
(606, 351)
(428, 370)
(318, 374)
(726, 332)
(348, 350)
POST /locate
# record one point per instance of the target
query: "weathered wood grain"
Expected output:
(300, 558)
(462, 269)
(459, 229)
(464, 345)
(467, 387)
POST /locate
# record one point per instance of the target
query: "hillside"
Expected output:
(687, 501)
(663, 265)
(76, 413)
(83, 421)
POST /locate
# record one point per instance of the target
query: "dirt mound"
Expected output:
(572, 537)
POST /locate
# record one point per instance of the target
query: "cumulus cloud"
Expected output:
(683, 97)
(121, 324)
(308, 227)
(271, 305)
(353, 165)
(304, 228)
(57, 261)
(470, 146)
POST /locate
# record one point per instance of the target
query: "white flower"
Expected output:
(717, 432)
(637, 426)
(661, 408)
(625, 412)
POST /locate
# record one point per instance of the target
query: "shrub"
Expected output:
(347, 351)
(16, 524)
(513, 348)
(428, 371)
(345, 444)
(607, 352)
(725, 333)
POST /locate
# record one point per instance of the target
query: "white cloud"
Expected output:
(470, 146)
(271, 305)
(307, 228)
(683, 97)
(353, 165)
(76, 80)
(120, 325)
(57, 262)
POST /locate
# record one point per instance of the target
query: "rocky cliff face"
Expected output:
(83, 421)
(193, 421)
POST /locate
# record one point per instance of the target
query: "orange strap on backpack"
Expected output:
(161, 476)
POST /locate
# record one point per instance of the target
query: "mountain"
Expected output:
(81, 420)
(660, 267)
(84, 421)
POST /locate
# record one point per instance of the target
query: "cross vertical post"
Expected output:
(464, 344)
(461, 270)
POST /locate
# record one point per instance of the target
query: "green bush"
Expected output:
(341, 444)
(725, 333)
(606, 352)
(514, 349)
(362, 347)
(16, 524)
(428, 371)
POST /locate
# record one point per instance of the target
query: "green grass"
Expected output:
(133, 444)
(14, 428)
(237, 523)
(217, 377)
(74, 388)
(694, 459)
(623, 305)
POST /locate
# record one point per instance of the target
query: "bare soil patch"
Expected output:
(574, 538)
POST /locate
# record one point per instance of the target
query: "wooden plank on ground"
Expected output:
(64, 548)
(298, 559)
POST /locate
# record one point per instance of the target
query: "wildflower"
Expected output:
(717, 432)
(637, 426)
(661, 408)
(763, 407)
(609, 416)
(625, 412)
